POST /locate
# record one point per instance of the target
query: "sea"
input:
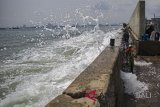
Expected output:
(37, 64)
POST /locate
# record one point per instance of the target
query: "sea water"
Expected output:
(37, 64)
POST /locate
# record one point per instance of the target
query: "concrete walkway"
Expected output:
(147, 70)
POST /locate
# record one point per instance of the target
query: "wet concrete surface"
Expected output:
(150, 74)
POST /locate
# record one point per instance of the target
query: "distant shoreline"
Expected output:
(53, 26)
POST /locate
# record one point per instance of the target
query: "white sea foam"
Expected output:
(66, 59)
(132, 85)
(142, 63)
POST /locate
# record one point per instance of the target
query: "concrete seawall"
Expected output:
(137, 29)
(137, 24)
(137, 20)
(102, 76)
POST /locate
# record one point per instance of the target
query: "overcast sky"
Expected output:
(31, 12)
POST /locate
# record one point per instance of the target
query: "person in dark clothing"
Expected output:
(126, 37)
(126, 34)
(150, 30)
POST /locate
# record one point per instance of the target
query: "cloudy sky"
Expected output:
(31, 12)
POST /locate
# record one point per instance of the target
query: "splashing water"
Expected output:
(132, 85)
(35, 75)
(45, 61)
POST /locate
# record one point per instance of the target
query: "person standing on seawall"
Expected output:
(126, 34)
(130, 57)
(150, 30)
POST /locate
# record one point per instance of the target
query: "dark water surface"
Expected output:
(38, 64)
